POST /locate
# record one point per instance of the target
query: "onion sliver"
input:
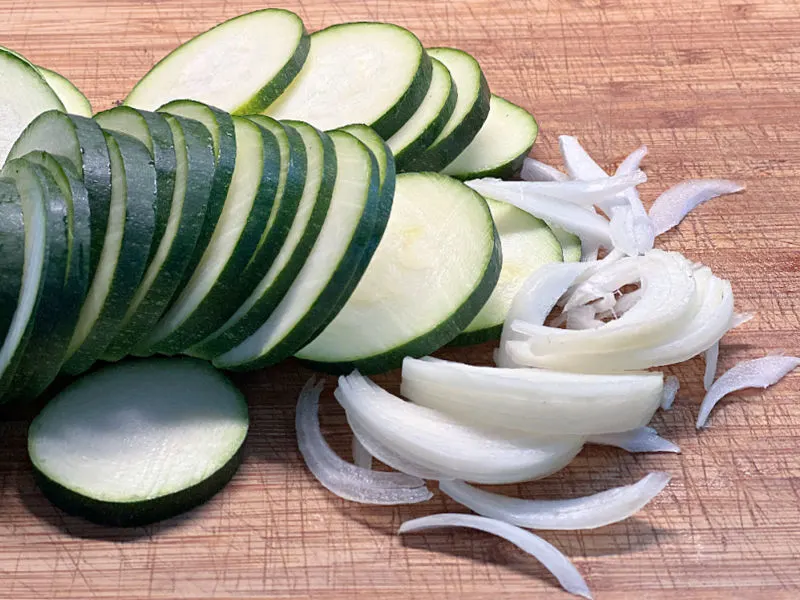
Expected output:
(640, 440)
(671, 387)
(589, 512)
(577, 161)
(547, 554)
(445, 445)
(361, 456)
(757, 373)
(534, 400)
(534, 170)
(672, 206)
(340, 477)
(712, 358)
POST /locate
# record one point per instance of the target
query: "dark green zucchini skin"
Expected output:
(12, 253)
(133, 514)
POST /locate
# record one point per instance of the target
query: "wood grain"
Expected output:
(713, 88)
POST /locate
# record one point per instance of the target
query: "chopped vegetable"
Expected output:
(641, 439)
(672, 206)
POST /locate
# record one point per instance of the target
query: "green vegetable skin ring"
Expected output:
(179, 426)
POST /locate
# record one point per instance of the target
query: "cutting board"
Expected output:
(713, 89)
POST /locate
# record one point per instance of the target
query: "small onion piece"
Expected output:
(672, 206)
(445, 446)
(583, 317)
(639, 440)
(547, 554)
(577, 161)
(340, 477)
(757, 373)
(589, 512)
(361, 456)
(534, 170)
(711, 358)
(671, 387)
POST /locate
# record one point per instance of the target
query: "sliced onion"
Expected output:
(671, 387)
(672, 206)
(590, 227)
(547, 554)
(534, 170)
(452, 449)
(740, 319)
(583, 317)
(361, 456)
(712, 358)
(604, 280)
(757, 373)
(533, 400)
(639, 440)
(340, 477)
(633, 161)
(577, 161)
(589, 512)
(534, 301)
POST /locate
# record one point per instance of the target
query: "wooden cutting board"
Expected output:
(713, 89)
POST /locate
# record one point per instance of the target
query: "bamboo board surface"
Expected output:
(713, 89)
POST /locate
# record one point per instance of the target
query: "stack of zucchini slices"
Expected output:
(305, 201)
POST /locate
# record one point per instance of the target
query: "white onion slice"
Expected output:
(672, 206)
(639, 440)
(361, 456)
(446, 446)
(633, 161)
(589, 512)
(711, 358)
(671, 387)
(583, 317)
(577, 161)
(534, 301)
(590, 227)
(547, 554)
(533, 400)
(604, 280)
(534, 170)
(740, 319)
(340, 477)
(757, 373)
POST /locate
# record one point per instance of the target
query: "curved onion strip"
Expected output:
(577, 161)
(671, 387)
(534, 170)
(641, 439)
(605, 280)
(740, 319)
(591, 269)
(633, 161)
(606, 303)
(590, 227)
(534, 301)
(583, 317)
(672, 206)
(533, 400)
(361, 456)
(340, 477)
(757, 373)
(547, 554)
(711, 358)
(710, 323)
(630, 233)
(589, 512)
(446, 446)
(666, 305)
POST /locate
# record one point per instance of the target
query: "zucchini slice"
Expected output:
(500, 146)
(193, 176)
(331, 270)
(71, 97)
(126, 247)
(209, 297)
(139, 442)
(527, 244)
(429, 120)
(12, 252)
(441, 242)
(470, 113)
(24, 95)
(81, 142)
(239, 66)
(307, 224)
(371, 73)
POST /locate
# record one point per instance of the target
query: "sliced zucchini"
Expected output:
(527, 244)
(239, 66)
(66, 276)
(193, 177)
(24, 95)
(214, 128)
(12, 252)
(471, 111)
(571, 248)
(444, 249)
(139, 442)
(126, 247)
(209, 297)
(429, 120)
(152, 130)
(71, 97)
(372, 73)
(500, 146)
(81, 142)
(37, 226)
(330, 272)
